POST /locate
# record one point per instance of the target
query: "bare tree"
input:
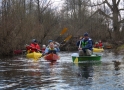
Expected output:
(114, 14)
(22, 20)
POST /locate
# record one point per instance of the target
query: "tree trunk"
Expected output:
(116, 25)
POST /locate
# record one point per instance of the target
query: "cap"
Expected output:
(85, 34)
(34, 40)
(50, 41)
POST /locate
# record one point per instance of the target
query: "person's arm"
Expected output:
(57, 49)
(57, 44)
(38, 47)
(78, 43)
(46, 50)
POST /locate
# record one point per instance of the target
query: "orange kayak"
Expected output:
(51, 57)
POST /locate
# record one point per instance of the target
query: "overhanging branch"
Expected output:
(122, 21)
(121, 9)
(118, 2)
(101, 12)
(108, 5)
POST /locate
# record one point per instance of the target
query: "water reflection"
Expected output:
(34, 68)
(25, 74)
(86, 72)
(117, 67)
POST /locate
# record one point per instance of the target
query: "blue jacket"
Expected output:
(57, 49)
(85, 43)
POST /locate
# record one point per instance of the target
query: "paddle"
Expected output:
(80, 42)
(66, 39)
(63, 31)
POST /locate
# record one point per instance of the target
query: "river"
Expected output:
(20, 73)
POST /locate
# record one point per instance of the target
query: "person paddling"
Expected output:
(56, 45)
(85, 45)
(98, 44)
(51, 49)
(33, 47)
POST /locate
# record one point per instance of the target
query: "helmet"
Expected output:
(50, 41)
(96, 42)
(34, 40)
(86, 34)
(44, 46)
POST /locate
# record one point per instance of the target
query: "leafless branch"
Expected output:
(97, 4)
(103, 13)
(118, 2)
(121, 9)
(108, 5)
(122, 21)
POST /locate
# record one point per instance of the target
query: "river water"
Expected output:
(20, 73)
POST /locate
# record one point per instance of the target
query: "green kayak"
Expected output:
(82, 59)
(88, 63)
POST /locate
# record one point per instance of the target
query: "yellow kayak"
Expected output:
(34, 55)
(98, 49)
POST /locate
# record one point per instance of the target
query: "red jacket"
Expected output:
(33, 47)
(100, 44)
(96, 45)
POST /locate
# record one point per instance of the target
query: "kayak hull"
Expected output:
(82, 59)
(98, 49)
(34, 55)
(51, 57)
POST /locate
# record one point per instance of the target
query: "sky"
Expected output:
(57, 4)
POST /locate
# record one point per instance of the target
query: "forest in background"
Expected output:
(23, 20)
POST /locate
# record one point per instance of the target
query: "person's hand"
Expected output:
(79, 48)
(81, 38)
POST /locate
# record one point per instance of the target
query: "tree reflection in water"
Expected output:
(116, 67)
(86, 72)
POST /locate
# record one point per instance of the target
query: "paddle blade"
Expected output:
(68, 38)
(63, 31)
(76, 61)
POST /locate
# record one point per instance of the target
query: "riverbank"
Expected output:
(120, 49)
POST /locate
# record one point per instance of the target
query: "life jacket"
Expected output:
(96, 45)
(52, 50)
(100, 44)
(33, 47)
(84, 43)
(87, 43)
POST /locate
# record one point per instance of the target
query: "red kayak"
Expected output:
(51, 57)
(16, 52)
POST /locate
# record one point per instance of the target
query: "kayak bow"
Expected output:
(51, 57)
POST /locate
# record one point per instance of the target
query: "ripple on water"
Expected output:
(26, 74)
